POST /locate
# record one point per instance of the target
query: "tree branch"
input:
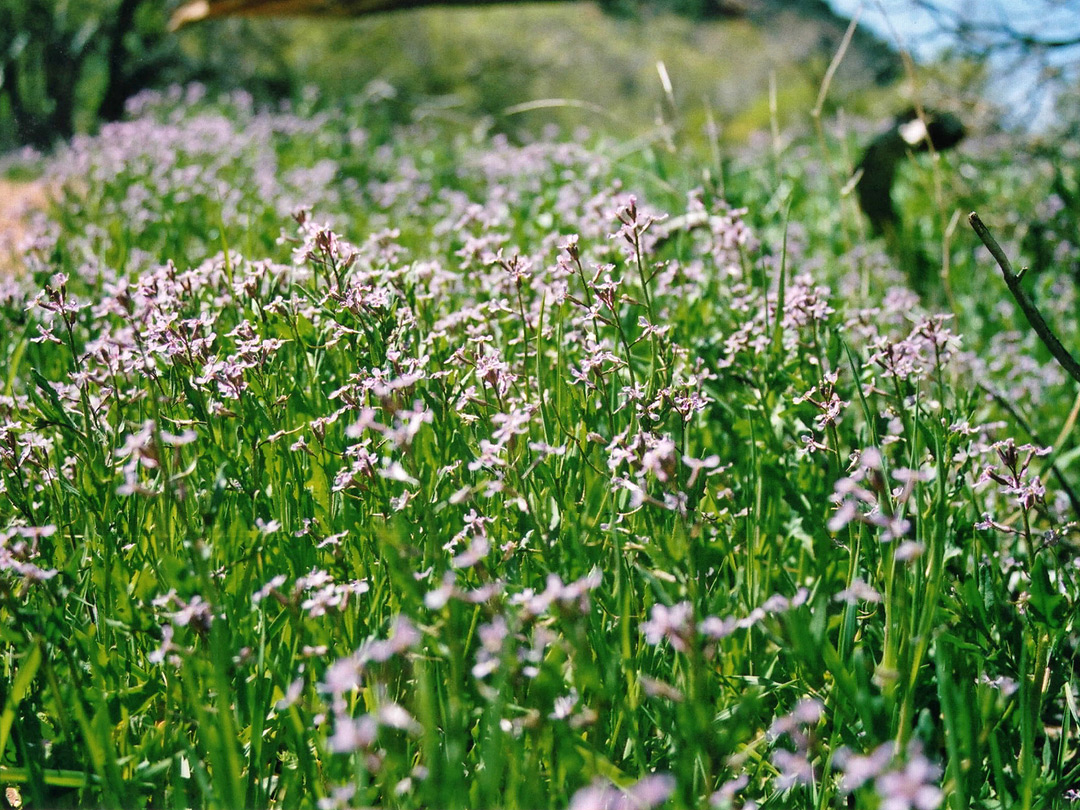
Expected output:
(1027, 306)
(960, 24)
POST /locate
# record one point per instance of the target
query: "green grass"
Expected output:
(465, 64)
(506, 491)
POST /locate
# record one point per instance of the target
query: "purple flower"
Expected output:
(793, 768)
(858, 769)
(353, 735)
(650, 791)
(675, 624)
(912, 787)
(857, 591)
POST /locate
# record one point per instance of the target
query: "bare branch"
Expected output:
(1027, 306)
(1000, 31)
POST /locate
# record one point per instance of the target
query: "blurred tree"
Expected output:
(882, 63)
(1032, 28)
(62, 60)
(1031, 48)
(66, 65)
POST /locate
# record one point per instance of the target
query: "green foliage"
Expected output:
(503, 488)
(67, 67)
(464, 58)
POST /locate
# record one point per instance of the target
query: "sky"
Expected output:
(1015, 85)
(916, 27)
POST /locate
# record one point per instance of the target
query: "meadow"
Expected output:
(348, 463)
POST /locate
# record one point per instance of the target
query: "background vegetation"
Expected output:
(65, 67)
(355, 452)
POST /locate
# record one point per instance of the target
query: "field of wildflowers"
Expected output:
(347, 464)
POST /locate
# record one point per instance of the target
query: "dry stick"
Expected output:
(1027, 306)
(774, 126)
(834, 65)
(1049, 339)
(815, 114)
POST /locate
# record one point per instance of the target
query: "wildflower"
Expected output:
(331, 596)
(807, 712)
(910, 787)
(909, 550)
(478, 549)
(491, 455)
(492, 635)
(859, 503)
(266, 527)
(342, 676)
(793, 768)
(1014, 479)
(393, 715)
(805, 304)
(649, 329)
(167, 649)
(439, 597)
(672, 623)
(711, 464)
(17, 557)
(858, 769)
(659, 458)
(518, 268)
(197, 613)
(1006, 685)
(656, 688)
(828, 402)
(571, 596)
(564, 705)
(633, 224)
(353, 735)
(339, 798)
(407, 424)
(514, 423)
(716, 628)
(395, 471)
(292, 695)
(726, 794)
(269, 588)
(403, 637)
(857, 591)
(650, 791)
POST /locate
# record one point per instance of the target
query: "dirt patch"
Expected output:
(18, 200)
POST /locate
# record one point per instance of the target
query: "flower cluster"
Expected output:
(421, 465)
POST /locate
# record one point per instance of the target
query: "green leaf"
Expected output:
(1047, 603)
(319, 486)
(58, 411)
(19, 688)
(13, 365)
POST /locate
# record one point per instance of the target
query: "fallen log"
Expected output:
(197, 10)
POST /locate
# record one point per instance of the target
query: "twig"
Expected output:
(1049, 339)
(834, 65)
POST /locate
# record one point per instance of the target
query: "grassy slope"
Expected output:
(485, 60)
(138, 668)
(131, 633)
